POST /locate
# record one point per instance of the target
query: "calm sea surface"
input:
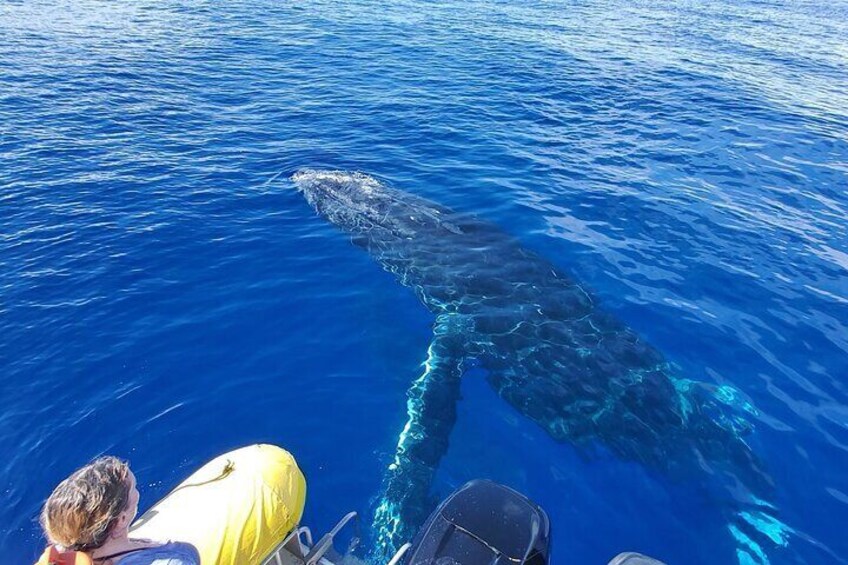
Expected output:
(165, 295)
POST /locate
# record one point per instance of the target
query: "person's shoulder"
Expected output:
(184, 553)
(170, 553)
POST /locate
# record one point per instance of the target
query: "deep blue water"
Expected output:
(165, 295)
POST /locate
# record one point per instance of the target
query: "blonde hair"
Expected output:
(82, 510)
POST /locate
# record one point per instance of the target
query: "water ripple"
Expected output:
(165, 295)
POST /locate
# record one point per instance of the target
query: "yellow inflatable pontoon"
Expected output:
(235, 510)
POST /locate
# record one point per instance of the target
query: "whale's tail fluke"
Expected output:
(721, 425)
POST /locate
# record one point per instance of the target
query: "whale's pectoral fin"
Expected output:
(431, 414)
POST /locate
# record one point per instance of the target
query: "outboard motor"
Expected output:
(483, 523)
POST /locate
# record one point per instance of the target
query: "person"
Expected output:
(90, 513)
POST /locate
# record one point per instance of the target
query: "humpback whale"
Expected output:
(546, 347)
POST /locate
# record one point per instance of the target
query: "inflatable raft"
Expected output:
(235, 509)
(244, 508)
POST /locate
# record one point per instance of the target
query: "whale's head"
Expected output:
(360, 204)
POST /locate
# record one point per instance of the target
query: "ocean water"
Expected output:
(165, 294)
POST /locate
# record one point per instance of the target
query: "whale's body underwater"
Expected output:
(547, 349)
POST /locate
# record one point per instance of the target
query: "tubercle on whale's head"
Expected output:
(353, 201)
(339, 183)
